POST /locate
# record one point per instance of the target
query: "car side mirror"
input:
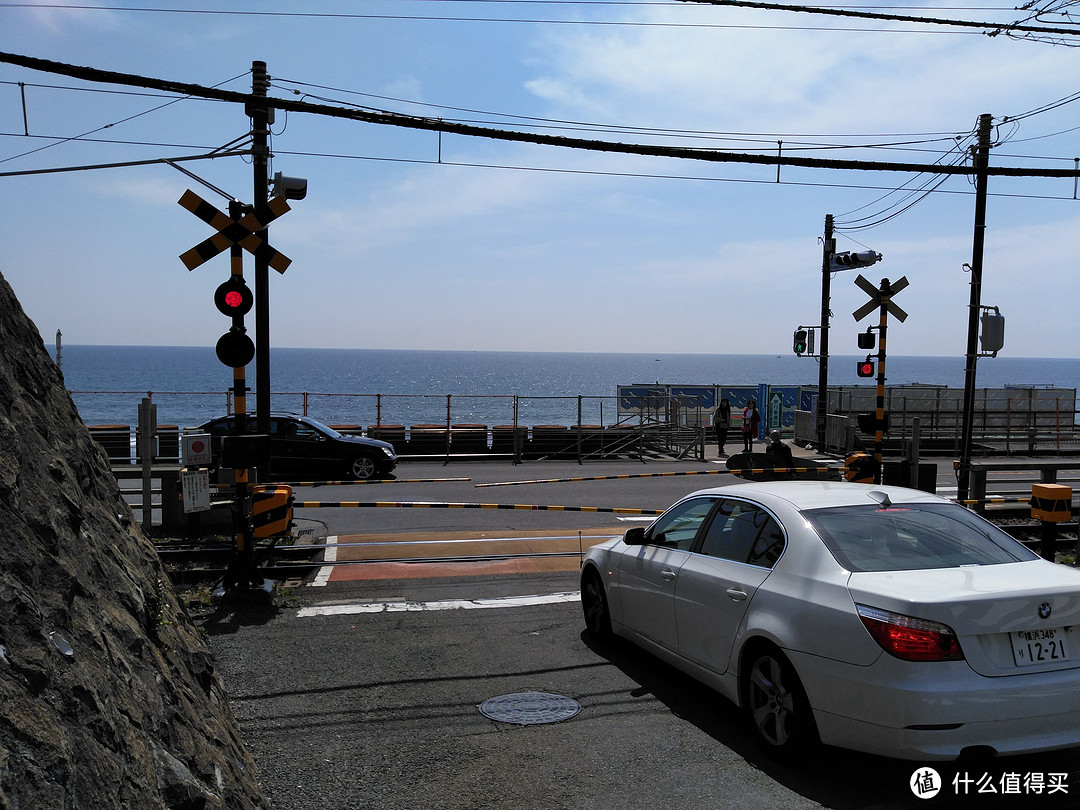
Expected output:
(634, 536)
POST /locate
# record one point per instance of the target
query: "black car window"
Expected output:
(303, 432)
(679, 525)
(912, 537)
(220, 427)
(768, 546)
(744, 533)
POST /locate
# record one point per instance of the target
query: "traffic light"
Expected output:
(847, 260)
(799, 344)
(867, 340)
(866, 367)
(233, 297)
(235, 348)
(992, 338)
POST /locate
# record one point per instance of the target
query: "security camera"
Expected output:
(291, 188)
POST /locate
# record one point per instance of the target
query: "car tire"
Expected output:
(776, 704)
(594, 605)
(362, 467)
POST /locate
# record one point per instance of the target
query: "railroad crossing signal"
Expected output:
(233, 297)
(239, 231)
(880, 299)
(876, 295)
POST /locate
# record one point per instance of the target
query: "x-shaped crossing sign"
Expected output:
(234, 231)
(887, 290)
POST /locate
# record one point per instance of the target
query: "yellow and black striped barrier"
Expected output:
(364, 481)
(738, 471)
(376, 481)
(993, 501)
(533, 507)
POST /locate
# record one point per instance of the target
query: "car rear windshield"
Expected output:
(911, 537)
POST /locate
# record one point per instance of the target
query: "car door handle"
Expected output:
(736, 594)
(667, 574)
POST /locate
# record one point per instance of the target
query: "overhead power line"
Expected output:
(435, 125)
(992, 29)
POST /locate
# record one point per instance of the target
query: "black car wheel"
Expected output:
(595, 606)
(778, 708)
(362, 467)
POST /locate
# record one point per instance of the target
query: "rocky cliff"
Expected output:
(108, 697)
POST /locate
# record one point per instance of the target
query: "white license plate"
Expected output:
(1046, 646)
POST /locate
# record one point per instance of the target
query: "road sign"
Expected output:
(876, 295)
(231, 231)
(195, 449)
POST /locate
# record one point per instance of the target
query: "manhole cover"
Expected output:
(530, 708)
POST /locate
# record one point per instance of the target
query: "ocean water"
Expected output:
(362, 386)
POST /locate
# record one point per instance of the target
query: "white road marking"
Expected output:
(398, 606)
(329, 556)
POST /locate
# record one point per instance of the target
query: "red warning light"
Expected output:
(233, 297)
(866, 368)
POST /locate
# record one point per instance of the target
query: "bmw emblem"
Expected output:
(1044, 610)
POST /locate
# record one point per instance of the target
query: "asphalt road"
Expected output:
(367, 694)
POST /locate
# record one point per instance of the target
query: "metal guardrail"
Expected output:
(842, 435)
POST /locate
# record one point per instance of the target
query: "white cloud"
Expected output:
(65, 20)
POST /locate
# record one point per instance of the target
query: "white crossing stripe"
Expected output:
(329, 556)
(399, 606)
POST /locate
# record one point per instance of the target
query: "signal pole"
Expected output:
(981, 160)
(829, 248)
(260, 131)
(885, 292)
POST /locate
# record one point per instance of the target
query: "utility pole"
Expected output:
(829, 248)
(260, 132)
(980, 163)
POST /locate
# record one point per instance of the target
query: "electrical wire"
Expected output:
(126, 119)
(973, 29)
(907, 199)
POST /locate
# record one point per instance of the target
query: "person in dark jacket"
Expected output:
(721, 421)
(780, 452)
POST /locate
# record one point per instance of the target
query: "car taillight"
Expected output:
(909, 638)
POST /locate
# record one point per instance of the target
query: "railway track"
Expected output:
(194, 562)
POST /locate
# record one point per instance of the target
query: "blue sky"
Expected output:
(406, 240)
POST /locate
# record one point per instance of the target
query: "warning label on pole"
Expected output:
(196, 488)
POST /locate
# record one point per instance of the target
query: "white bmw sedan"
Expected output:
(881, 619)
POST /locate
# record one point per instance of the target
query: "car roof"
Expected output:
(817, 494)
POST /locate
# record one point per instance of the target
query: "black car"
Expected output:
(303, 449)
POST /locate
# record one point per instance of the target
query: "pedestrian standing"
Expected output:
(780, 453)
(751, 419)
(721, 421)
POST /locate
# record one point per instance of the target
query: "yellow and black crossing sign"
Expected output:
(271, 510)
(241, 231)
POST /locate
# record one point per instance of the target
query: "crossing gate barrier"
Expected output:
(271, 510)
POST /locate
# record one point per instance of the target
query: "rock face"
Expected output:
(108, 698)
